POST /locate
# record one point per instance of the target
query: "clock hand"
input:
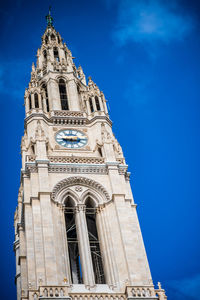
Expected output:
(71, 138)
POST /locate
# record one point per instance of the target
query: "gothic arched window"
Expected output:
(53, 38)
(46, 96)
(63, 95)
(55, 53)
(36, 100)
(97, 103)
(72, 241)
(46, 40)
(94, 242)
(91, 105)
(30, 102)
(45, 55)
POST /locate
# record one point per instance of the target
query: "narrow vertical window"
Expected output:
(30, 102)
(45, 55)
(36, 100)
(53, 38)
(46, 96)
(63, 95)
(72, 241)
(55, 53)
(97, 103)
(94, 243)
(46, 40)
(91, 105)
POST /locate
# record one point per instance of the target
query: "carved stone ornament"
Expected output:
(78, 188)
(80, 181)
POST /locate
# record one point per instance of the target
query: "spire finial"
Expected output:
(49, 18)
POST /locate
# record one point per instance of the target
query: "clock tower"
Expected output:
(77, 234)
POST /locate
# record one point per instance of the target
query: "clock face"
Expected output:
(71, 139)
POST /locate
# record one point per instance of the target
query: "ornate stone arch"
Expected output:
(93, 195)
(64, 193)
(63, 184)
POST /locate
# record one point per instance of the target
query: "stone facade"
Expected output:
(52, 173)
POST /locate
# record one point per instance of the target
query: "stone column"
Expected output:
(72, 94)
(84, 246)
(106, 247)
(53, 93)
(94, 103)
(88, 107)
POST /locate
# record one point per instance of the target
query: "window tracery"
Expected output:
(63, 95)
(97, 103)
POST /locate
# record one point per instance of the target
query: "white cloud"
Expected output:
(150, 20)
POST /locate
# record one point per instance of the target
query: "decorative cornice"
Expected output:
(80, 181)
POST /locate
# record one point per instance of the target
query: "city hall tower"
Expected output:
(77, 234)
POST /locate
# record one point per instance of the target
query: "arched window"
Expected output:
(30, 102)
(58, 39)
(36, 100)
(63, 95)
(94, 242)
(97, 103)
(46, 95)
(53, 38)
(45, 55)
(91, 105)
(46, 40)
(55, 53)
(72, 241)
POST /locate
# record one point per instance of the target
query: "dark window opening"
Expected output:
(46, 96)
(46, 40)
(36, 100)
(45, 55)
(55, 53)
(94, 243)
(72, 241)
(91, 105)
(63, 95)
(30, 102)
(97, 103)
(58, 39)
(42, 103)
(53, 38)
(33, 149)
(100, 151)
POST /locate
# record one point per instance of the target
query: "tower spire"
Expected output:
(49, 18)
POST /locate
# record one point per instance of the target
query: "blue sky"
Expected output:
(144, 55)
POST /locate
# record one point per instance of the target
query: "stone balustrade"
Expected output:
(76, 159)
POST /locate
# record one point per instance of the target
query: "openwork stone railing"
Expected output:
(97, 296)
(59, 113)
(63, 292)
(72, 159)
(142, 292)
(30, 158)
(69, 159)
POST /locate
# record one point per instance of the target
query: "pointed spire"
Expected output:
(49, 18)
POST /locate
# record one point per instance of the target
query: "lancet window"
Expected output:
(97, 103)
(30, 102)
(56, 54)
(63, 95)
(94, 242)
(53, 38)
(45, 55)
(91, 105)
(44, 87)
(72, 241)
(36, 100)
